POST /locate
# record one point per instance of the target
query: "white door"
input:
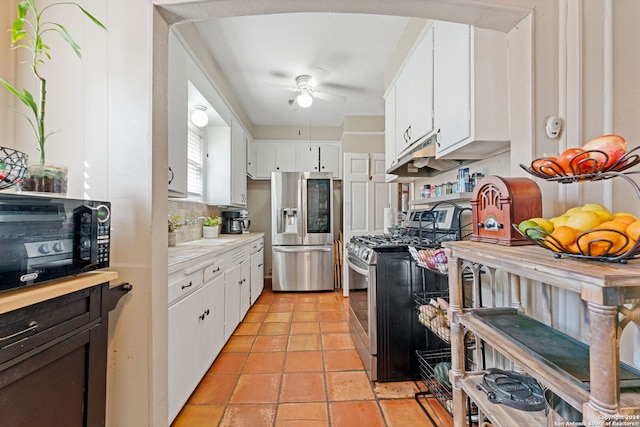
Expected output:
(238, 165)
(366, 194)
(257, 275)
(330, 160)
(233, 284)
(308, 158)
(213, 297)
(245, 287)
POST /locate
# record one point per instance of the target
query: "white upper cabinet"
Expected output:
(330, 160)
(274, 158)
(226, 166)
(238, 165)
(390, 157)
(470, 91)
(177, 112)
(251, 157)
(297, 157)
(414, 95)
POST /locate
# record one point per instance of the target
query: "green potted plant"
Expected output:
(27, 33)
(210, 227)
(175, 222)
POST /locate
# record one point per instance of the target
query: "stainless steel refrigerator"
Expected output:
(302, 231)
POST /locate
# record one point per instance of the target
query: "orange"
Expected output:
(587, 247)
(624, 218)
(633, 230)
(565, 235)
(583, 221)
(613, 225)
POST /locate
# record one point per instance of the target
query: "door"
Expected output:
(245, 288)
(257, 274)
(286, 222)
(317, 191)
(452, 89)
(233, 283)
(366, 194)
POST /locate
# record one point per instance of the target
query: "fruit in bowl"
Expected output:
(614, 146)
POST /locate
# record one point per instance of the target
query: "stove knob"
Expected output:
(44, 248)
(58, 247)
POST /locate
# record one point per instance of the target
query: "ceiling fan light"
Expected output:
(304, 100)
(199, 116)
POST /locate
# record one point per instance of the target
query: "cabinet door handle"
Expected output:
(260, 265)
(215, 270)
(187, 286)
(31, 326)
(170, 175)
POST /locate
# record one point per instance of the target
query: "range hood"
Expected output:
(420, 161)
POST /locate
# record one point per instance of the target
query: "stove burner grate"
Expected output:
(513, 390)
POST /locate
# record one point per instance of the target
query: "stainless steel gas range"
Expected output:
(381, 319)
(383, 279)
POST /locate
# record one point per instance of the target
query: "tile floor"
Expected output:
(292, 362)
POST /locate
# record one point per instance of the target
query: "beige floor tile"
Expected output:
(304, 342)
(349, 385)
(302, 415)
(303, 387)
(254, 415)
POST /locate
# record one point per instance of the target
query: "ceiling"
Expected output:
(262, 55)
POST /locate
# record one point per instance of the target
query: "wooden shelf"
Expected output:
(558, 358)
(499, 414)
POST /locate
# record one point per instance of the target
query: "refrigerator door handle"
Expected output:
(303, 206)
(302, 249)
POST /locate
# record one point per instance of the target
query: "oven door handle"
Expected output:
(357, 269)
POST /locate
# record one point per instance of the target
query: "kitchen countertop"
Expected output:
(194, 249)
(33, 294)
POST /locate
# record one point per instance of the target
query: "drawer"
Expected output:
(214, 269)
(257, 245)
(181, 284)
(36, 325)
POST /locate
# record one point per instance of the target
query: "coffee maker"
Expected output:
(231, 222)
(235, 222)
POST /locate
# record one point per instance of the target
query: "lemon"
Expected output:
(583, 221)
(544, 223)
(572, 211)
(604, 215)
(558, 221)
(594, 207)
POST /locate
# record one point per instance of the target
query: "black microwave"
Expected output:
(44, 238)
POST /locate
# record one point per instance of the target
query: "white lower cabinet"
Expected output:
(257, 270)
(195, 339)
(208, 298)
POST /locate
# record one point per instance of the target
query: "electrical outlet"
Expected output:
(553, 127)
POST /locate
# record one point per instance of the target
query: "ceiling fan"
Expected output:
(305, 85)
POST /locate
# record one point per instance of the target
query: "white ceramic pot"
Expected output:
(210, 232)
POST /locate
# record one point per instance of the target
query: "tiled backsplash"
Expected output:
(191, 211)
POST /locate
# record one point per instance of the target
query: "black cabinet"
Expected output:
(53, 358)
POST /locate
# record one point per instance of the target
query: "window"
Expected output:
(195, 162)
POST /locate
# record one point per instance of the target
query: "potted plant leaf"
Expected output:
(210, 227)
(27, 33)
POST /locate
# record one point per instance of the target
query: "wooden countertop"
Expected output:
(22, 297)
(597, 281)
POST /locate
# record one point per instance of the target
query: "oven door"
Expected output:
(362, 312)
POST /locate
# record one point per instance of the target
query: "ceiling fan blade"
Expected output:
(329, 97)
